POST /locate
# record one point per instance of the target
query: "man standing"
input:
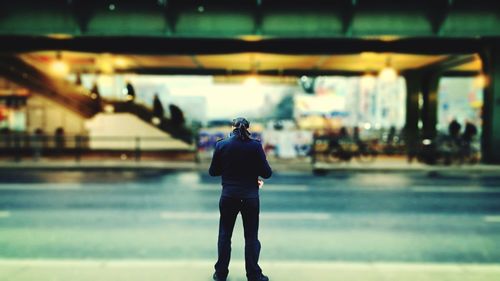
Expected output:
(240, 160)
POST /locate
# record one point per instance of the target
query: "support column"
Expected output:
(413, 90)
(491, 105)
(430, 83)
(411, 130)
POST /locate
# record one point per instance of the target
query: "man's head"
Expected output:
(240, 121)
(240, 128)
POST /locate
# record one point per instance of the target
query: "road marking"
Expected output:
(285, 188)
(266, 188)
(38, 186)
(296, 216)
(492, 219)
(4, 214)
(454, 189)
(264, 216)
(188, 216)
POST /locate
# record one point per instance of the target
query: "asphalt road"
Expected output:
(359, 217)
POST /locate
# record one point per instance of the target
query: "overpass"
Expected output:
(316, 37)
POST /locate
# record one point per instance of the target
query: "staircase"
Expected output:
(75, 98)
(146, 114)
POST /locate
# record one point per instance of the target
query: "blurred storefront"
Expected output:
(460, 99)
(13, 112)
(365, 102)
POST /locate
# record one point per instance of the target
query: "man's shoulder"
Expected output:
(256, 141)
(222, 142)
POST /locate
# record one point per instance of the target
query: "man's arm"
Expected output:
(216, 165)
(265, 170)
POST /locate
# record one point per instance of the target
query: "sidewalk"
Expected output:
(303, 165)
(400, 164)
(152, 270)
(107, 165)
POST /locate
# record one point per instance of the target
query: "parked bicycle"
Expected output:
(343, 150)
(447, 151)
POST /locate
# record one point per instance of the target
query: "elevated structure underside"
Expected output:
(251, 18)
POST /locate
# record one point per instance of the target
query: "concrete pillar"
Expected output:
(413, 91)
(411, 133)
(491, 107)
(430, 83)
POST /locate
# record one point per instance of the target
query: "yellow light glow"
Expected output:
(388, 74)
(109, 108)
(388, 38)
(120, 62)
(251, 38)
(369, 55)
(59, 68)
(251, 81)
(105, 63)
(481, 81)
(106, 67)
(60, 36)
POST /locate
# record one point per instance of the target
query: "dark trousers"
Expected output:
(229, 209)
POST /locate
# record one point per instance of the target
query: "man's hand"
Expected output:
(261, 183)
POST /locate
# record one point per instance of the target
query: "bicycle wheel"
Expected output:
(366, 155)
(335, 155)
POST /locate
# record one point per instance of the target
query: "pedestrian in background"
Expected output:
(240, 160)
(158, 110)
(454, 131)
(129, 92)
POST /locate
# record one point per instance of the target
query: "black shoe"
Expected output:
(260, 278)
(217, 278)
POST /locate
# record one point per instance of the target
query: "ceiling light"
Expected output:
(59, 67)
(251, 81)
(388, 73)
(481, 81)
(120, 62)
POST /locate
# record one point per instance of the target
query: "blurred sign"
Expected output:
(319, 104)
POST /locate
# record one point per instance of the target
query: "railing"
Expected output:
(146, 114)
(21, 146)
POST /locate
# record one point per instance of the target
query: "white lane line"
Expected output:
(285, 188)
(305, 188)
(266, 188)
(188, 216)
(4, 214)
(454, 189)
(492, 219)
(32, 186)
(264, 216)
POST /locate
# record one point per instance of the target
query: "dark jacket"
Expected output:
(240, 163)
